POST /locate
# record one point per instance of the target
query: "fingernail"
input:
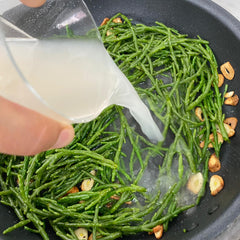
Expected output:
(65, 137)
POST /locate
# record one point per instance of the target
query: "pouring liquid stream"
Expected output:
(78, 79)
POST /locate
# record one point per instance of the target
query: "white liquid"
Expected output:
(77, 79)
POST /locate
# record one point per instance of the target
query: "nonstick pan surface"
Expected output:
(214, 215)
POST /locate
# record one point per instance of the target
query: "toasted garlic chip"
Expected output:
(216, 184)
(104, 22)
(199, 113)
(87, 184)
(231, 121)
(202, 144)
(109, 32)
(73, 190)
(220, 80)
(91, 237)
(195, 183)
(227, 70)
(81, 233)
(211, 138)
(115, 197)
(232, 101)
(214, 164)
(229, 94)
(117, 20)
(158, 231)
(230, 131)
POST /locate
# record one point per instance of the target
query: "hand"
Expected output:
(33, 3)
(26, 132)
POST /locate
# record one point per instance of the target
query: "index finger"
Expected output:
(33, 3)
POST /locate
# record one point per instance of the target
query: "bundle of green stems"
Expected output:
(174, 74)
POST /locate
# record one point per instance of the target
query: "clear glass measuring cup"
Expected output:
(40, 63)
(53, 61)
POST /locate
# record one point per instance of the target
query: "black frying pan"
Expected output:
(215, 217)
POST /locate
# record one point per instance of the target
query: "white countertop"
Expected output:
(232, 6)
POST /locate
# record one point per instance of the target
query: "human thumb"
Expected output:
(26, 132)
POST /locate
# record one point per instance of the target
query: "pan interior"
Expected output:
(202, 18)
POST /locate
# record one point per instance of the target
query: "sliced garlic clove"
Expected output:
(214, 164)
(195, 183)
(81, 233)
(216, 184)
